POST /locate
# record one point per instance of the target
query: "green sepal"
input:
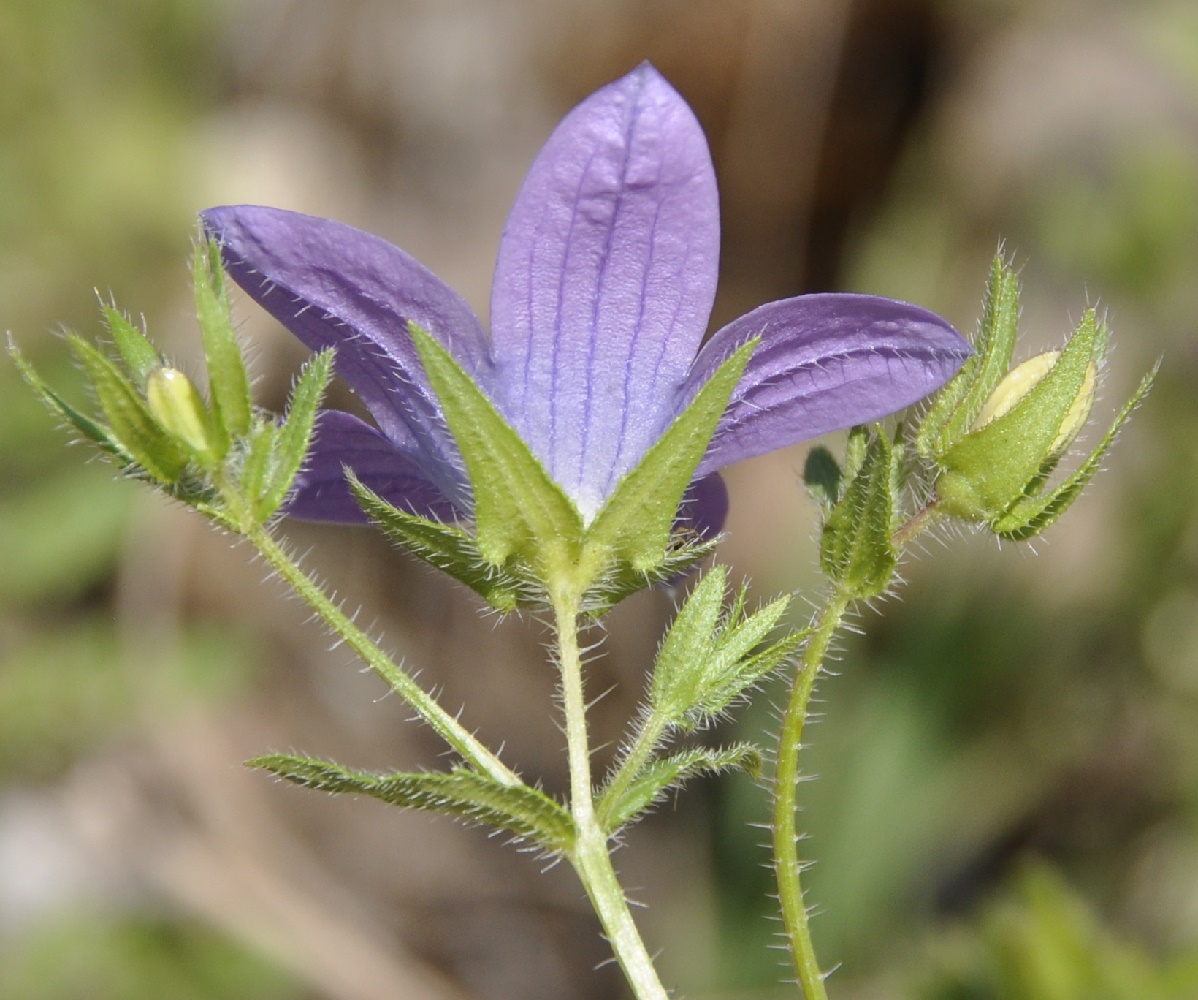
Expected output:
(95, 432)
(635, 524)
(521, 810)
(290, 442)
(664, 773)
(707, 659)
(620, 580)
(519, 510)
(228, 382)
(447, 548)
(856, 551)
(1031, 514)
(954, 408)
(990, 468)
(257, 459)
(140, 356)
(129, 418)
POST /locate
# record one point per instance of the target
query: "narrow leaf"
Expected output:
(228, 382)
(731, 670)
(635, 523)
(445, 547)
(678, 671)
(519, 809)
(657, 777)
(519, 509)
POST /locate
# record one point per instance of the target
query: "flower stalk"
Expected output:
(340, 624)
(591, 856)
(788, 867)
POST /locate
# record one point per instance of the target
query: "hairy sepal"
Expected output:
(228, 381)
(856, 550)
(450, 549)
(954, 408)
(636, 523)
(991, 468)
(520, 512)
(276, 453)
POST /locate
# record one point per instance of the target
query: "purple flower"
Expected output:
(602, 294)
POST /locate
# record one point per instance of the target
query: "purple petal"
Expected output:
(333, 285)
(704, 506)
(825, 362)
(322, 494)
(605, 280)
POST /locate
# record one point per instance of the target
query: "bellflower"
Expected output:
(602, 293)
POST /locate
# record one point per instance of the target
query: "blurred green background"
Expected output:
(1006, 803)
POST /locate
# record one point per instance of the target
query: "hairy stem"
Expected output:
(591, 856)
(916, 525)
(441, 721)
(787, 866)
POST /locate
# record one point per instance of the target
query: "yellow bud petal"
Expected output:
(178, 406)
(1018, 382)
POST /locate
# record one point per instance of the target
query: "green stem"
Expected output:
(444, 724)
(787, 866)
(647, 740)
(590, 856)
(916, 525)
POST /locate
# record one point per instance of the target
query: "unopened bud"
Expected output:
(1018, 382)
(178, 406)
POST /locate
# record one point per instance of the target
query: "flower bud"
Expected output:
(997, 472)
(178, 407)
(1018, 382)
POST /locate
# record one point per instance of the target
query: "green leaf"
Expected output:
(636, 522)
(140, 356)
(228, 383)
(519, 510)
(823, 477)
(707, 661)
(678, 672)
(519, 809)
(293, 438)
(953, 409)
(129, 418)
(1030, 515)
(730, 670)
(447, 548)
(856, 552)
(660, 775)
